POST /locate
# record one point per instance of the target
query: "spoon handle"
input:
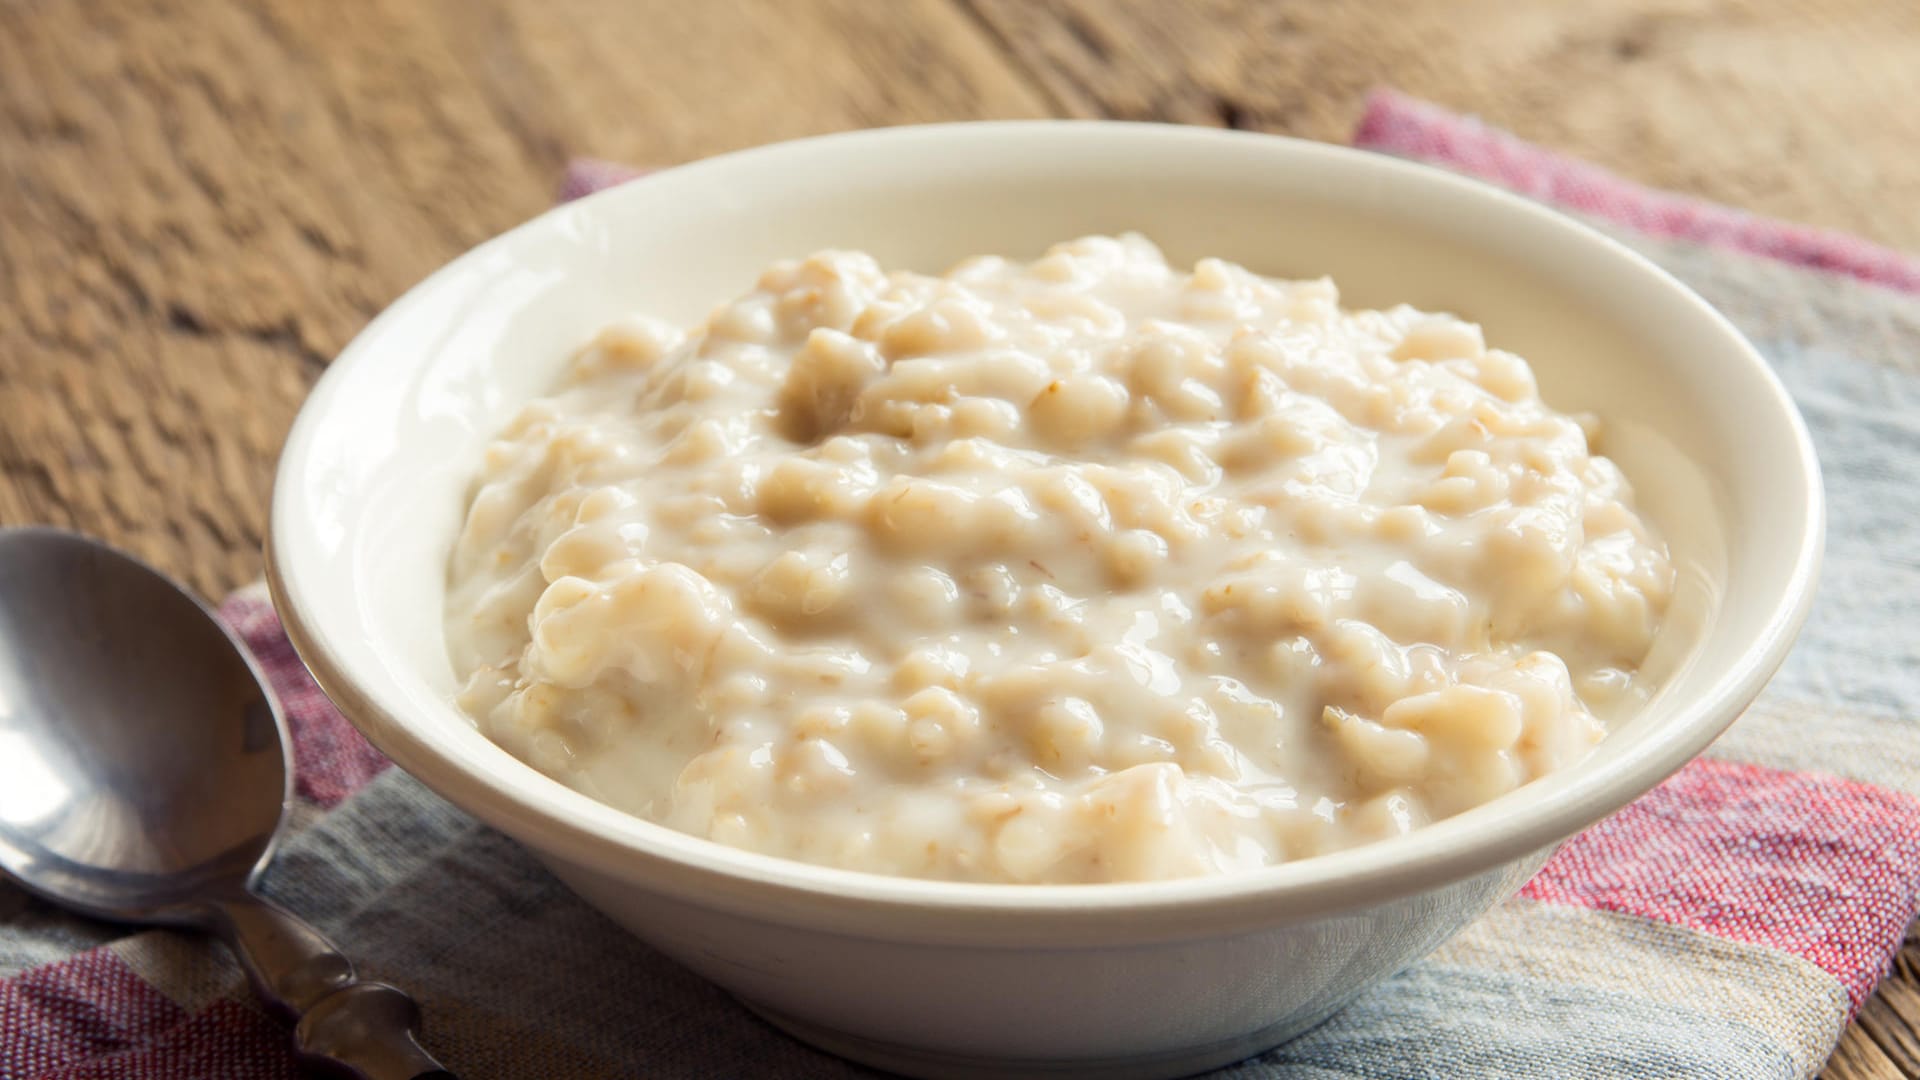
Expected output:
(343, 1026)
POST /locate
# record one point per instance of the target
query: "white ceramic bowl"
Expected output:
(1130, 979)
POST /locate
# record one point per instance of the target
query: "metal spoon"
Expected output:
(144, 775)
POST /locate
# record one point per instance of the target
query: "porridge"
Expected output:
(1085, 569)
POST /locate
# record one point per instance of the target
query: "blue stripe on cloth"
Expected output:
(1460, 1023)
(1861, 647)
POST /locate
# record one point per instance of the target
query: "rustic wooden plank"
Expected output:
(205, 201)
(1892, 1017)
(1892, 1020)
(1795, 108)
(1859, 1057)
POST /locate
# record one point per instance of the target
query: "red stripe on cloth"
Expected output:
(226, 1042)
(584, 176)
(1823, 868)
(1411, 128)
(331, 760)
(75, 1009)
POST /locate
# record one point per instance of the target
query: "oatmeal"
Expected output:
(1085, 569)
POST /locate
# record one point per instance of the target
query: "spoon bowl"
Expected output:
(108, 799)
(144, 777)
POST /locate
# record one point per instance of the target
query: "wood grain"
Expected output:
(204, 201)
(1783, 106)
(1891, 1019)
(1861, 1058)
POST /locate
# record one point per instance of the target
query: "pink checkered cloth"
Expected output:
(1728, 924)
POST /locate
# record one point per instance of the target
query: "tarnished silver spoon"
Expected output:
(144, 775)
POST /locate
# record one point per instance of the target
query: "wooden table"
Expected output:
(203, 201)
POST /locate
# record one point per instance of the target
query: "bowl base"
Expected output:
(923, 1064)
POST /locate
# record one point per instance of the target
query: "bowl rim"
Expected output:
(559, 823)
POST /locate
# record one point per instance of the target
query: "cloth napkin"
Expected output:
(1728, 924)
